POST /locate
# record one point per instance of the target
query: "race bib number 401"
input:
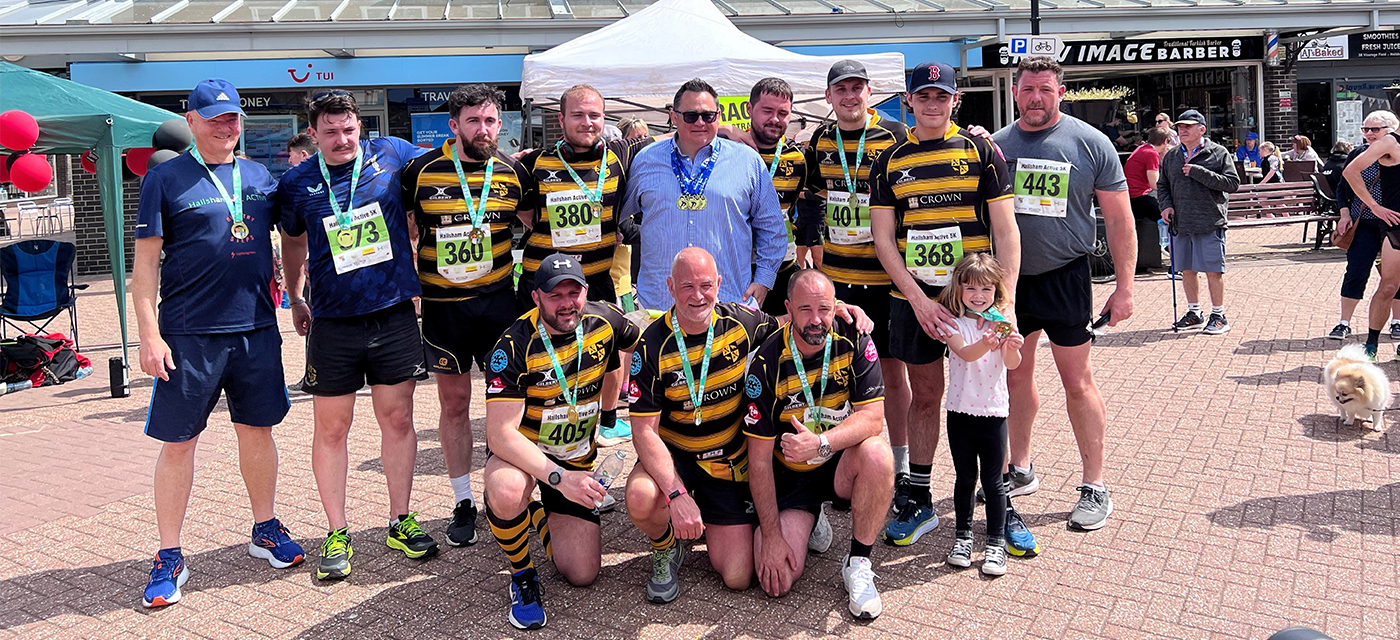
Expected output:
(847, 222)
(363, 243)
(1042, 187)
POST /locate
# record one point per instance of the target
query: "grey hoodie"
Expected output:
(1199, 199)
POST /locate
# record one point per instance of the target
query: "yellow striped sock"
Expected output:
(665, 541)
(514, 537)
(540, 520)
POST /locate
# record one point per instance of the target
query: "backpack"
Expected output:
(42, 360)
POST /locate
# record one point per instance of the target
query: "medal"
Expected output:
(594, 195)
(813, 407)
(346, 238)
(1003, 329)
(478, 213)
(697, 394)
(596, 208)
(570, 394)
(343, 218)
(692, 196)
(573, 416)
(476, 235)
(239, 230)
(683, 203)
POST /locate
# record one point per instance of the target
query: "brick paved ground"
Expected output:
(1241, 508)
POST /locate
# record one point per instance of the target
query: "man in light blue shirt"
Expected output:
(697, 190)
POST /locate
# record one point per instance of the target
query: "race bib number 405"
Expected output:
(847, 222)
(573, 220)
(364, 243)
(460, 259)
(565, 440)
(1042, 187)
(930, 255)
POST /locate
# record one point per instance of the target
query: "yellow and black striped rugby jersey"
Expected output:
(850, 263)
(789, 178)
(658, 388)
(431, 190)
(775, 393)
(932, 184)
(521, 371)
(551, 177)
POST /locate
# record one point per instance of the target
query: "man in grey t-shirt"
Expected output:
(1060, 164)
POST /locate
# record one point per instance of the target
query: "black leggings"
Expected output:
(1361, 257)
(970, 439)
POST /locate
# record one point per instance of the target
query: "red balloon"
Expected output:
(87, 160)
(18, 130)
(136, 159)
(31, 173)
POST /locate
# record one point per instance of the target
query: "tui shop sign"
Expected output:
(1140, 52)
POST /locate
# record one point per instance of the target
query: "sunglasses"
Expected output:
(691, 116)
(1372, 129)
(333, 92)
(1162, 120)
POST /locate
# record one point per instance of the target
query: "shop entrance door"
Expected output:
(1315, 115)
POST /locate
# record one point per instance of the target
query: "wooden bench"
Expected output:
(1264, 205)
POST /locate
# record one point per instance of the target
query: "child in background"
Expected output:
(983, 346)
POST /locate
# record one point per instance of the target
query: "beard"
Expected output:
(1036, 119)
(480, 149)
(763, 138)
(814, 334)
(564, 324)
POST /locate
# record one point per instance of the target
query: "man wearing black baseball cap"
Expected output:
(213, 218)
(839, 157)
(543, 400)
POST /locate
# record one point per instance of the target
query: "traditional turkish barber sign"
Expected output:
(1139, 52)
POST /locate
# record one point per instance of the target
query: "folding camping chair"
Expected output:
(38, 285)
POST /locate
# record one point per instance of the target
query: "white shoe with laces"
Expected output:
(859, 577)
(820, 538)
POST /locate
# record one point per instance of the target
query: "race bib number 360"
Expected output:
(573, 220)
(1042, 187)
(461, 259)
(364, 243)
(847, 222)
(930, 255)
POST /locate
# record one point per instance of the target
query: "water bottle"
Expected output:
(1162, 234)
(607, 470)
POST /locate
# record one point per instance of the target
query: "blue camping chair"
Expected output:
(38, 285)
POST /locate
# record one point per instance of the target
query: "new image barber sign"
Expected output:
(1128, 52)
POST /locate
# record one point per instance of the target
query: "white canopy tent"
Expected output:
(637, 63)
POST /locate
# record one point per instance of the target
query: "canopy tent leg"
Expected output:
(109, 177)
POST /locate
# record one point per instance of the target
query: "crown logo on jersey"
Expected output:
(221, 96)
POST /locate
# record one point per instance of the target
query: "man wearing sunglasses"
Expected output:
(698, 190)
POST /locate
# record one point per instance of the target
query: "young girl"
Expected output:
(983, 345)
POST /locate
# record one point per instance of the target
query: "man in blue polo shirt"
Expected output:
(342, 210)
(217, 332)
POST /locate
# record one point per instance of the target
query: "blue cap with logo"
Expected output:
(1251, 136)
(214, 97)
(933, 74)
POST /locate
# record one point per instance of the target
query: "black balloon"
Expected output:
(173, 135)
(127, 173)
(161, 155)
(10, 160)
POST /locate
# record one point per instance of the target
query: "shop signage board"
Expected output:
(734, 111)
(1138, 52)
(1377, 44)
(430, 129)
(1333, 48)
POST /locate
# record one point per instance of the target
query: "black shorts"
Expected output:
(600, 289)
(908, 341)
(382, 348)
(775, 303)
(807, 227)
(806, 490)
(1145, 208)
(456, 333)
(555, 502)
(875, 302)
(721, 502)
(1059, 301)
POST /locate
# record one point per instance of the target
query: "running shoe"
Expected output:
(335, 556)
(608, 504)
(1192, 320)
(902, 487)
(1371, 351)
(168, 574)
(1395, 329)
(1342, 331)
(859, 577)
(994, 560)
(1020, 542)
(1017, 483)
(961, 555)
(665, 582)
(1095, 505)
(617, 434)
(461, 531)
(1216, 325)
(406, 536)
(820, 539)
(526, 607)
(912, 522)
(272, 543)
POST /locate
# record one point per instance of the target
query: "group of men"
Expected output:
(757, 396)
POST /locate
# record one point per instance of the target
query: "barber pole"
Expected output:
(1271, 49)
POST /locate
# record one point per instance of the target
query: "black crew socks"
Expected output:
(919, 477)
(607, 419)
(1373, 337)
(859, 549)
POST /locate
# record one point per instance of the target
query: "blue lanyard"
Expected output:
(693, 185)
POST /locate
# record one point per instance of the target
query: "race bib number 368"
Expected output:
(1042, 187)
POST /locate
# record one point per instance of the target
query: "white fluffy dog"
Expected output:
(1358, 388)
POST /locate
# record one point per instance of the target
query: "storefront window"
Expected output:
(1224, 95)
(1356, 98)
(420, 116)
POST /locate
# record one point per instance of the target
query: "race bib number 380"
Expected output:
(363, 243)
(573, 220)
(1042, 187)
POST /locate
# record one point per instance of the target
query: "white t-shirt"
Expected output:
(977, 388)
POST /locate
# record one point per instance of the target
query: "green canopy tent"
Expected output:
(74, 118)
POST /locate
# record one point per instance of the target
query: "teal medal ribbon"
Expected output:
(773, 164)
(697, 394)
(802, 374)
(845, 168)
(570, 394)
(238, 229)
(343, 218)
(477, 214)
(595, 195)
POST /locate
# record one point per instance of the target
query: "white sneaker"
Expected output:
(820, 538)
(860, 584)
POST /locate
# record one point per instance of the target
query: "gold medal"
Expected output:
(476, 235)
(346, 238)
(239, 230)
(683, 203)
(1003, 329)
(698, 201)
(573, 416)
(698, 419)
(597, 208)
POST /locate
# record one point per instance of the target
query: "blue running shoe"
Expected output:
(1020, 542)
(168, 574)
(526, 608)
(913, 521)
(614, 435)
(272, 543)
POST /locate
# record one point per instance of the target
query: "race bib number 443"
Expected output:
(1042, 187)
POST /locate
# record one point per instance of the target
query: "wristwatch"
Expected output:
(556, 476)
(825, 449)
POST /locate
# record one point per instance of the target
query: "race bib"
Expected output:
(366, 242)
(1042, 187)
(930, 255)
(566, 441)
(819, 420)
(791, 254)
(847, 223)
(459, 258)
(573, 221)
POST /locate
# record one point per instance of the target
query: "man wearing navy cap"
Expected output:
(1249, 151)
(216, 331)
